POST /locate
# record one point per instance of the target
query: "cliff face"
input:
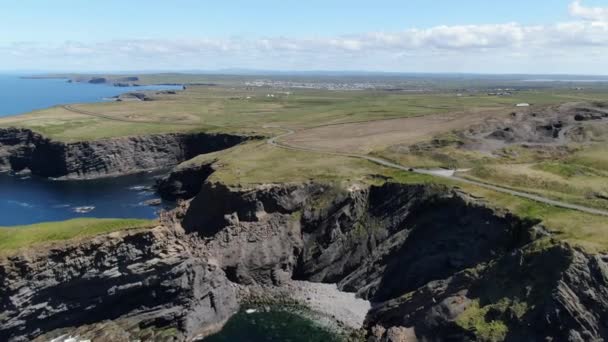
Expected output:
(22, 148)
(556, 293)
(438, 266)
(137, 279)
(184, 182)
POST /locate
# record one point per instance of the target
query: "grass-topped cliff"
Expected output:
(437, 255)
(14, 238)
(419, 129)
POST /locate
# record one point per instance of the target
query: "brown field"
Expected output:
(366, 137)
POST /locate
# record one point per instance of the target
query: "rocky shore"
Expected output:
(435, 263)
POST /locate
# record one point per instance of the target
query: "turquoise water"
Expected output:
(18, 95)
(27, 200)
(276, 325)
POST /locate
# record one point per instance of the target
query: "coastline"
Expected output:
(64, 91)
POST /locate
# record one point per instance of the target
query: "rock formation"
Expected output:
(184, 182)
(437, 264)
(24, 149)
(140, 279)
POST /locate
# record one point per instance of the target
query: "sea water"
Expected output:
(20, 95)
(27, 200)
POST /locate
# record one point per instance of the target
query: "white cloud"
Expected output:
(577, 10)
(578, 46)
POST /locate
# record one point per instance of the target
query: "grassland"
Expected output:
(12, 238)
(577, 177)
(248, 109)
(258, 163)
(573, 174)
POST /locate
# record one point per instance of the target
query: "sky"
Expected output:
(466, 36)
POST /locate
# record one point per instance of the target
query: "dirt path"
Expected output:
(438, 173)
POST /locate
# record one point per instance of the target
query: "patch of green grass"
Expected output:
(564, 180)
(474, 319)
(257, 162)
(595, 157)
(12, 238)
(566, 170)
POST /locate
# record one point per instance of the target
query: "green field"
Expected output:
(247, 110)
(13, 238)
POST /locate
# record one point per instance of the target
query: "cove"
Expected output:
(28, 200)
(273, 325)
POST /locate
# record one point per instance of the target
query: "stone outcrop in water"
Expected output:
(23, 149)
(438, 265)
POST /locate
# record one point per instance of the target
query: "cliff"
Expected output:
(22, 148)
(184, 182)
(137, 280)
(437, 264)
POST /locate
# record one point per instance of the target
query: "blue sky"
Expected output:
(388, 35)
(60, 20)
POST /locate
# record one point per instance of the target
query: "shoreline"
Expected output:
(329, 307)
(326, 299)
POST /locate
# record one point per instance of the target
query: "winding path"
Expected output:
(438, 173)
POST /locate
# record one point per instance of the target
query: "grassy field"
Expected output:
(12, 238)
(248, 109)
(259, 163)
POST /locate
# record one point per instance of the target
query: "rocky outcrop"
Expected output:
(97, 80)
(135, 96)
(128, 80)
(437, 264)
(386, 241)
(554, 126)
(557, 293)
(184, 182)
(146, 279)
(22, 148)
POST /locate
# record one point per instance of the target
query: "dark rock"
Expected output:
(184, 182)
(585, 116)
(147, 278)
(97, 80)
(437, 264)
(22, 148)
(135, 96)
